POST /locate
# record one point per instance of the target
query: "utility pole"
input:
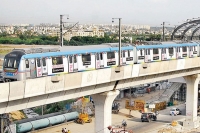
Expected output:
(2, 125)
(119, 52)
(119, 42)
(163, 31)
(61, 31)
(163, 24)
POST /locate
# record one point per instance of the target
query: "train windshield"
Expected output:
(10, 62)
(12, 59)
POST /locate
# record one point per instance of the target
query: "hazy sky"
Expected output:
(150, 12)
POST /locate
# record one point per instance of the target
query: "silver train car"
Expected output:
(22, 64)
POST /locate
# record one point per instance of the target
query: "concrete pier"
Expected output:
(103, 110)
(191, 120)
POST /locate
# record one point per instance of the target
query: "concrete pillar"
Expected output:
(103, 110)
(191, 101)
(122, 94)
(2, 125)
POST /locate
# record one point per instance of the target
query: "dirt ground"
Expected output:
(21, 46)
(6, 48)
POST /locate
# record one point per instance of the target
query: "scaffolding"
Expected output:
(180, 94)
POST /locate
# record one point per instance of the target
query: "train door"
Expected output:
(171, 53)
(71, 65)
(178, 53)
(44, 66)
(129, 58)
(98, 61)
(156, 54)
(147, 55)
(123, 60)
(195, 51)
(111, 59)
(27, 69)
(38, 68)
(140, 54)
(184, 52)
(164, 54)
(32, 68)
(101, 60)
(75, 63)
(191, 51)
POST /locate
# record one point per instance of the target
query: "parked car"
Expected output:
(175, 111)
(133, 90)
(148, 117)
(34, 114)
(140, 91)
(115, 107)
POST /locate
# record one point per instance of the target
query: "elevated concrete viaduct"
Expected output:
(102, 84)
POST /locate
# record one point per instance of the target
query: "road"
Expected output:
(163, 120)
(133, 123)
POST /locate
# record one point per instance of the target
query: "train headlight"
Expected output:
(15, 73)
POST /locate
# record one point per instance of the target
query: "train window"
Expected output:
(43, 62)
(5, 63)
(38, 63)
(75, 60)
(110, 55)
(57, 60)
(15, 64)
(155, 51)
(164, 51)
(27, 63)
(128, 53)
(194, 48)
(97, 56)
(141, 52)
(86, 57)
(177, 49)
(147, 51)
(191, 48)
(11, 62)
(184, 49)
(70, 59)
(171, 51)
(101, 56)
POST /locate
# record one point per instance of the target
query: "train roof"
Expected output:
(37, 49)
(73, 51)
(151, 42)
(39, 55)
(89, 47)
(84, 47)
(165, 46)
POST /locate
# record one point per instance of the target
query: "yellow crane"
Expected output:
(83, 116)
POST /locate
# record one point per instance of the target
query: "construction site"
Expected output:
(83, 109)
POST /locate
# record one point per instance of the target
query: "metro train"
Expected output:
(22, 64)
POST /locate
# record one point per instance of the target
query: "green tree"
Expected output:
(4, 34)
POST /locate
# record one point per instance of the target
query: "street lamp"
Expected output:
(119, 52)
(163, 24)
(61, 29)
